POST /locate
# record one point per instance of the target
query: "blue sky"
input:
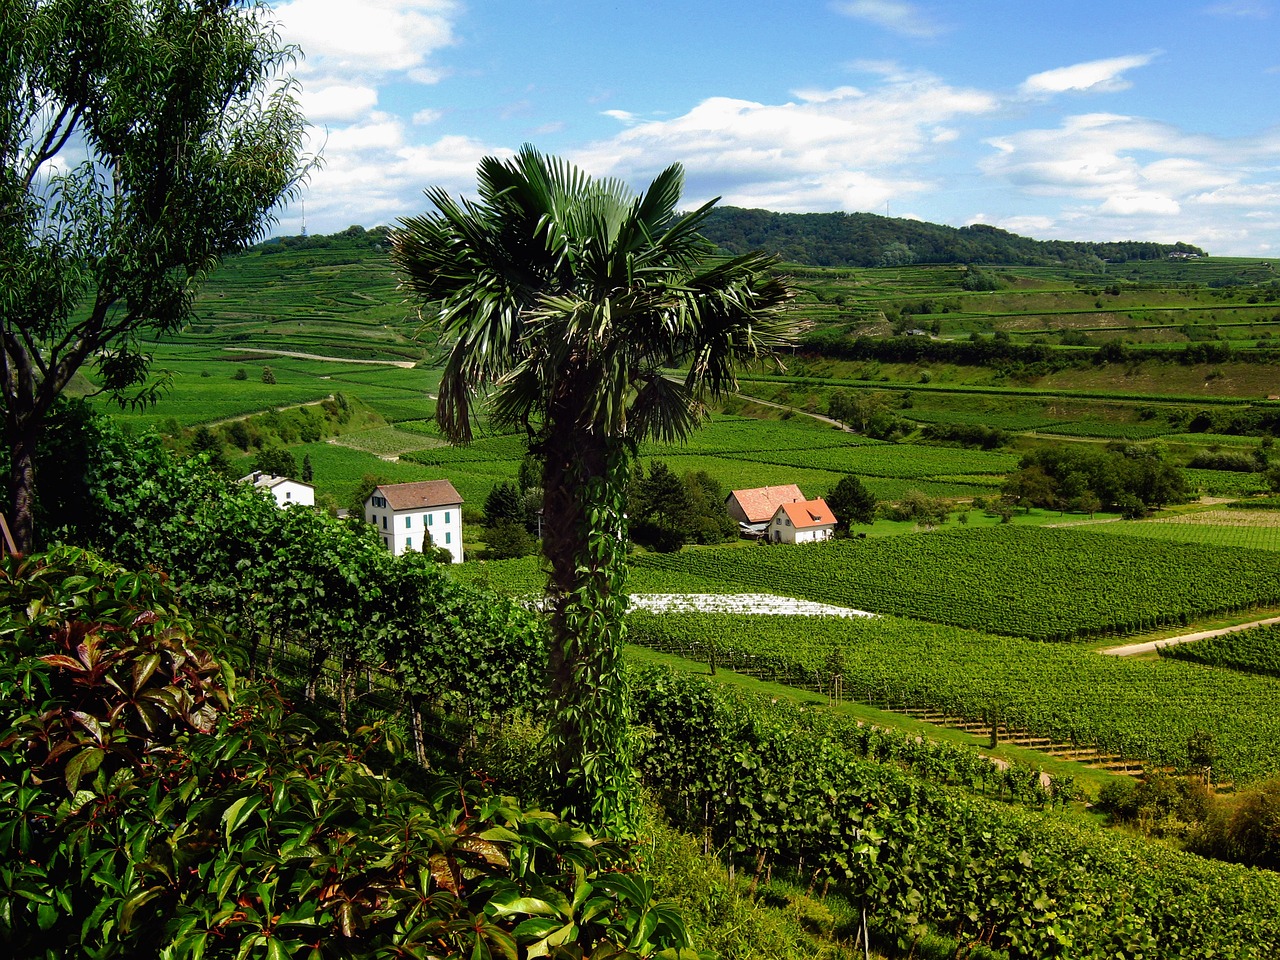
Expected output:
(1128, 119)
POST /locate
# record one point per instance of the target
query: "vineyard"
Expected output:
(1143, 710)
(1044, 584)
(782, 790)
(1256, 650)
(1242, 529)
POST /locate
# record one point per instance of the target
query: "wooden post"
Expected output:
(10, 548)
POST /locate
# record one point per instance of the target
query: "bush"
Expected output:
(151, 806)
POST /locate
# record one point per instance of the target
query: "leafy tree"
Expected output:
(504, 504)
(268, 375)
(205, 441)
(571, 297)
(507, 539)
(709, 521)
(276, 461)
(140, 142)
(851, 502)
(308, 471)
(661, 508)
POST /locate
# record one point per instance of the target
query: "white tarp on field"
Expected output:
(758, 603)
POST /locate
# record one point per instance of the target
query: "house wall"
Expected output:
(735, 509)
(409, 529)
(781, 530)
(290, 492)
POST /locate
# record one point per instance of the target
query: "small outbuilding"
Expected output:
(805, 521)
(413, 516)
(287, 492)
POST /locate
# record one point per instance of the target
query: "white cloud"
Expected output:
(840, 149)
(337, 101)
(424, 118)
(373, 36)
(893, 15)
(1105, 176)
(1141, 204)
(372, 174)
(826, 96)
(1240, 9)
(1094, 76)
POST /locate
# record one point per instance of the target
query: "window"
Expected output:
(431, 519)
(446, 516)
(408, 543)
(288, 494)
(448, 537)
(408, 522)
(384, 523)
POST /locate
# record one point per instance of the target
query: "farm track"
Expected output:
(1151, 646)
(402, 364)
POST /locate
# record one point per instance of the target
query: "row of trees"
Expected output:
(1130, 478)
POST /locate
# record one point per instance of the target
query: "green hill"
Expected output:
(868, 240)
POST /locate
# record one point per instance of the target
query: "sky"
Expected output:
(1118, 120)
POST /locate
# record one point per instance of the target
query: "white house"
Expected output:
(804, 521)
(753, 509)
(287, 492)
(411, 516)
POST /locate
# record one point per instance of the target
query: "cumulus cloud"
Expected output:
(373, 173)
(893, 15)
(840, 149)
(1118, 177)
(337, 101)
(374, 36)
(1093, 76)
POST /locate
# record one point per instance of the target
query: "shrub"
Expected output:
(149, 806)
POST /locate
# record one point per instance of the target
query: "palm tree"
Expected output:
(564, 303)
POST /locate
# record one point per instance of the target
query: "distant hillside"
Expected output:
(868, 240)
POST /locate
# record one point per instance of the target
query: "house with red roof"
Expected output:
(414, 516)
(802, 521)
(753, 509)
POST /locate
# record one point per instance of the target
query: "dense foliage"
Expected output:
(1146, 711)
(869, 240)
(188, 133)
(1256, 650)
(1130, 478)
(309, 596)
(150, 805)
(780, 791)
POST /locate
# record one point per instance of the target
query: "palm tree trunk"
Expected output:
(585, 542)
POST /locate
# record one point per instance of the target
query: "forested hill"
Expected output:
(868, 240)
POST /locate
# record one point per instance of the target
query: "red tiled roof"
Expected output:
(809, 513)
(416, 496)
(762, 503)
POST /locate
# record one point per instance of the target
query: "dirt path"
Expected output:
(402, 364)
(1149, 647)
(796, 410)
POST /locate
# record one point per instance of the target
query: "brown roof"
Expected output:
(421, 495)
(809, 513)
(762, 503)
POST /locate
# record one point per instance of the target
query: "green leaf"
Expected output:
(238, 813)
(84, 763)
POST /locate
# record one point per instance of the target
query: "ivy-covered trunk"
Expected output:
(585, 540)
